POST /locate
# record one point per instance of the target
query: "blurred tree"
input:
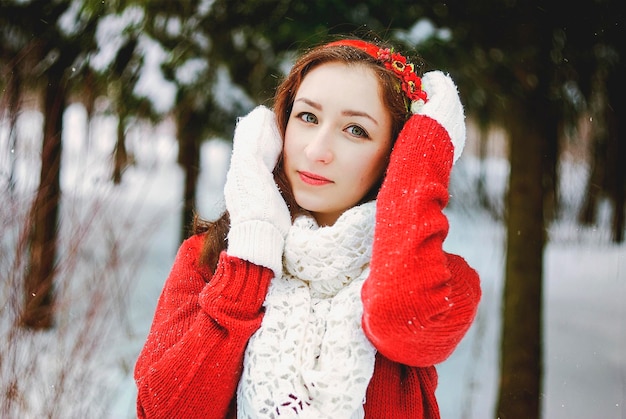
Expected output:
(515, 63)
(53, 39)
(114, 71)
(48, 47)
(616, 113)
(11, 80)
(122, 75)
(605, 92)
(518, 73)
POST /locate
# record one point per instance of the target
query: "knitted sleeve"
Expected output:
(418, 300)
(192, 359)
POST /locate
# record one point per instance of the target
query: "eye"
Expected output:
(357, 131)
(308, 117)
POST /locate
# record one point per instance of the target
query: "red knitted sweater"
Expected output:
(418, 302)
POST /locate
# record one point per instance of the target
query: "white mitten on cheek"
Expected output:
(444, 106)
(259, 216)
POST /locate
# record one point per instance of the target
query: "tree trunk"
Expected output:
(615, 178)
(120, 155)
(14, 92)
(608, 176)
(189, 127)
(551, 153)
(89, 98)
(531, 123)
(481, 185)
(39, 281)
(521, 346)
(597, 184)
(587, 214)
(619, 223)
(616, 112)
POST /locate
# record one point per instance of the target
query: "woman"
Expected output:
(323, 291)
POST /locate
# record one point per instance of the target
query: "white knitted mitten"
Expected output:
(444, 106)
(259, 218)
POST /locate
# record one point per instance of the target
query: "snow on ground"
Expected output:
(585, 276)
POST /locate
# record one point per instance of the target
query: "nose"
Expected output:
(319, 149)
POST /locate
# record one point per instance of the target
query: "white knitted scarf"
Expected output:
(310, 357)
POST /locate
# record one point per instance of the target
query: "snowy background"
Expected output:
(118, 244)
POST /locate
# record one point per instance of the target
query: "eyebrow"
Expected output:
(347, 112)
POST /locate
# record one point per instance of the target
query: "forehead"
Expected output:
(341, 81)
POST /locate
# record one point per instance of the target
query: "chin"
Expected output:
(311, 205)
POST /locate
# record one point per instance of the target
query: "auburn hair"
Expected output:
(391, 94)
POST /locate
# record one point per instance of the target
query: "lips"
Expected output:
(313, 179)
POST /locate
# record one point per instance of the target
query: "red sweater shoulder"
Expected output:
(191, 362)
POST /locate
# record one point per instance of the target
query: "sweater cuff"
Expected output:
(237, 290)
(258, 242)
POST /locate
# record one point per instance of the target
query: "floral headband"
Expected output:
(410, 81)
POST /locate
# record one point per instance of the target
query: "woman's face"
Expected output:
(337, 141)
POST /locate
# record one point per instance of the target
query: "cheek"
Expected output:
(372, 169)
(379, 161)
(289, 145)
(381, 166)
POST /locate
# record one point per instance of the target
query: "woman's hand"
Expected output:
(258, 214)
(444, 106)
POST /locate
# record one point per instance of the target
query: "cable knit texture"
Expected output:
(258, 214)
(310, 358)
(190, 364)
